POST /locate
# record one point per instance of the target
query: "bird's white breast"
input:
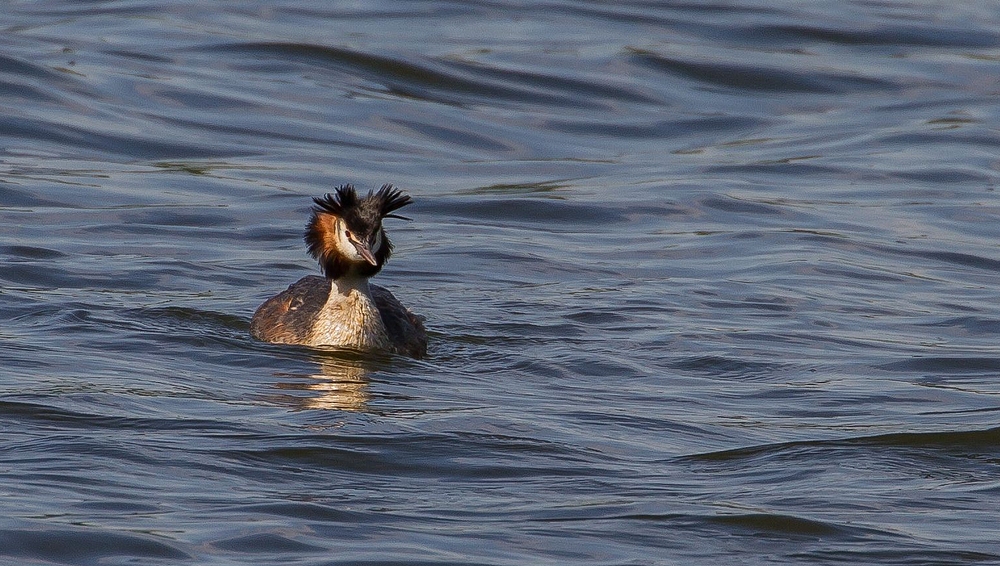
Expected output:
(349, 319)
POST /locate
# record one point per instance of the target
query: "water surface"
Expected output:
(705, 282)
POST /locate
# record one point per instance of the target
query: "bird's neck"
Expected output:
(348, 284)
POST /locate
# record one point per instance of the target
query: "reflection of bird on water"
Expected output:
(341, 384)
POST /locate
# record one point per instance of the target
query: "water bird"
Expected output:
(342, 309)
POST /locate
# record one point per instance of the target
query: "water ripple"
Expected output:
(83, 546)
(756, 77)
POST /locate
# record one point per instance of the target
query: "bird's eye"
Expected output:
(348, 234)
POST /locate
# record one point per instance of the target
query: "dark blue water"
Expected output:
(708, 283)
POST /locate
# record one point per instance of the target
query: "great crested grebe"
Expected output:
(343, 310)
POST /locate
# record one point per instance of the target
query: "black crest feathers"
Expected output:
(344, 202)
(390, 199)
